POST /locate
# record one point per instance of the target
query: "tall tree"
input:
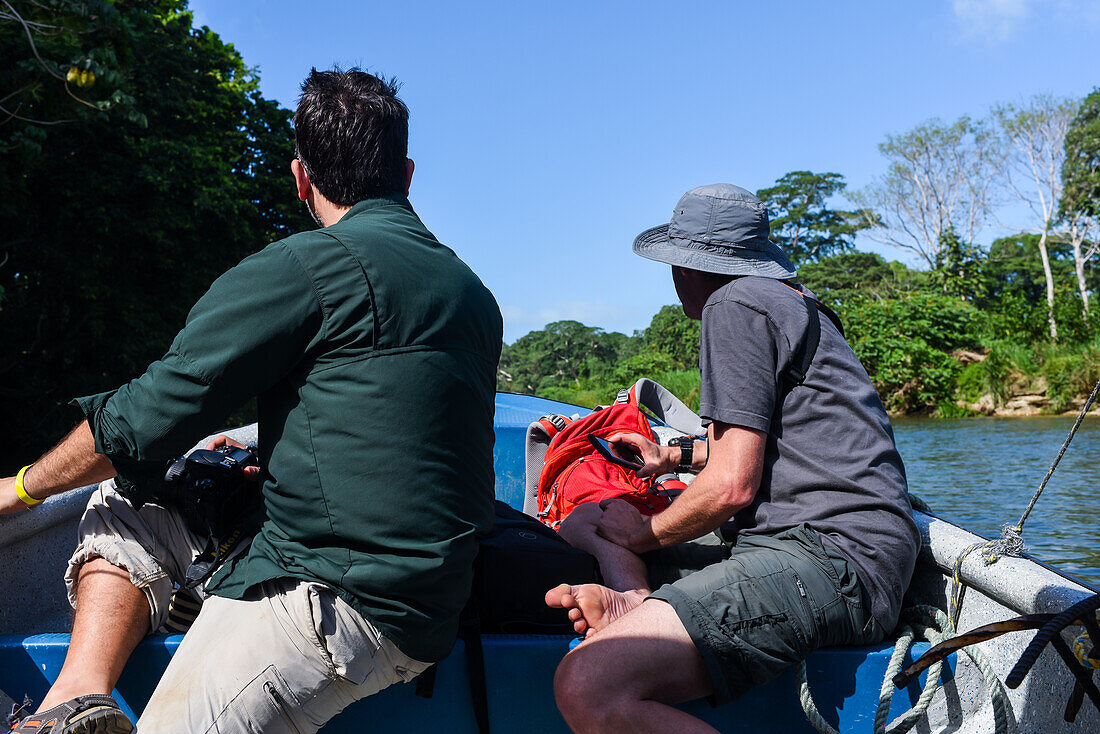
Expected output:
(1080, 204)
(1036, 134)
(113, 230)
(850, 275)
(959, 267)
(562, 353)
(63, 61)
(672, 333)
(939, 177)
(802, 222)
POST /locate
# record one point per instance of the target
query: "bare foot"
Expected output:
(591, 606)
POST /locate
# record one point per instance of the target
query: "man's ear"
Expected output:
(409, 166)
(301, 179)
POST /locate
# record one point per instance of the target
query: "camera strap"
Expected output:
(205, 563)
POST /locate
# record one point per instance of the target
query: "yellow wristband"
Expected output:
(25, 498)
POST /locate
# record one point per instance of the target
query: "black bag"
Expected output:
(519, 561)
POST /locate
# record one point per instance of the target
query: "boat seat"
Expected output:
(519, 671)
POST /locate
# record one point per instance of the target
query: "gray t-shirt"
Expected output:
(830, 459)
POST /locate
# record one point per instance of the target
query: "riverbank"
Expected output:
(1022, 406)
(1024, 380)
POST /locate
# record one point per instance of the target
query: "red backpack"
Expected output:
(573, 472)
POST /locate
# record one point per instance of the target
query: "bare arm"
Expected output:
(727, 484)
(72, 463)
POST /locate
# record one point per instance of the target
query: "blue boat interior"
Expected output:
(845, 682)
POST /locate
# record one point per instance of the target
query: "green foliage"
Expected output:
(905, 343)
(63, 62)
(1069, 373)
(857, 274)
(643, 364)
(112, 229)
(587, 366)
(674, 334)
(1081, 167)
(958, 266)
(563, 354)
(802, 223)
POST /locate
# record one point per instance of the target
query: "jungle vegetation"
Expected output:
(1006, 327)
(139, 160)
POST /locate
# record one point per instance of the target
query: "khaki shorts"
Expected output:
(287, 658)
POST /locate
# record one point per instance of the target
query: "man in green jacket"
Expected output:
(372, 352)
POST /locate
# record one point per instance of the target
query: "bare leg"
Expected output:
(112, 616)
(622, 569)
(627, 677)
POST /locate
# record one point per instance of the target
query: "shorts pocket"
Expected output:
(348, 642)
(769, 624)
(264, 706)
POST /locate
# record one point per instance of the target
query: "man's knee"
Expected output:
(581, 524)
(584, 692)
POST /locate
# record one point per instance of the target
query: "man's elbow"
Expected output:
(736, 495)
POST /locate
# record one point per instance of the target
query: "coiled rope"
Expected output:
(932, 625)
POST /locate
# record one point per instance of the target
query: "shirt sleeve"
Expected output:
(246, 333)
(741, 356)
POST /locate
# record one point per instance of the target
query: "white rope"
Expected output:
(933, 626)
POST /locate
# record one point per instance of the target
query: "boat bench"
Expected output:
(519, 669)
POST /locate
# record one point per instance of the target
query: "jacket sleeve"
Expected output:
(251, 329)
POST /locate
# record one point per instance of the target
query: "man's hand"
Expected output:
(252, 472)
(622, 524)
(656, 458)
(9, 500)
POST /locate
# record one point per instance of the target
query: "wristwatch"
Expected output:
(686, 444)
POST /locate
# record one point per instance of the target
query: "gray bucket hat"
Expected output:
(720, 228)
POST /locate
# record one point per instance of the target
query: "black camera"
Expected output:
(210, 490)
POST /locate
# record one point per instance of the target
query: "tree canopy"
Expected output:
(113, 228)
(802, 223)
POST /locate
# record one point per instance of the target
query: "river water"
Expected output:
(981, 473)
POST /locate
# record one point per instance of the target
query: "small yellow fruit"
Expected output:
(73, 75)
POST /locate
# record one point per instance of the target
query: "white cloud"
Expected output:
(993, 20)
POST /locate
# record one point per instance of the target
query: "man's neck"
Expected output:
(325, 212)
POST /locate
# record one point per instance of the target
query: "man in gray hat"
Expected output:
(799, 471)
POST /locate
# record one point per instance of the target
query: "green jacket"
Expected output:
(373, 352)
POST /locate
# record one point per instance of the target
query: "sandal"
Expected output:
(92, 714)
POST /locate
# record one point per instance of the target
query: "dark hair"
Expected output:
(352, 135)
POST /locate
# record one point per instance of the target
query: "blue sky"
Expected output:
(547, 135)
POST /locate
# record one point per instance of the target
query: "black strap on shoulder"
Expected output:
(828, 312)
(807, 348)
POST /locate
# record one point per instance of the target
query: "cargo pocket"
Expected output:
(348, 643)
(781, 627)
(264, 706)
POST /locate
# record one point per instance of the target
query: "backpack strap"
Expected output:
(807, 347)
(551, 424)
(659, 400)
(539, 435)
